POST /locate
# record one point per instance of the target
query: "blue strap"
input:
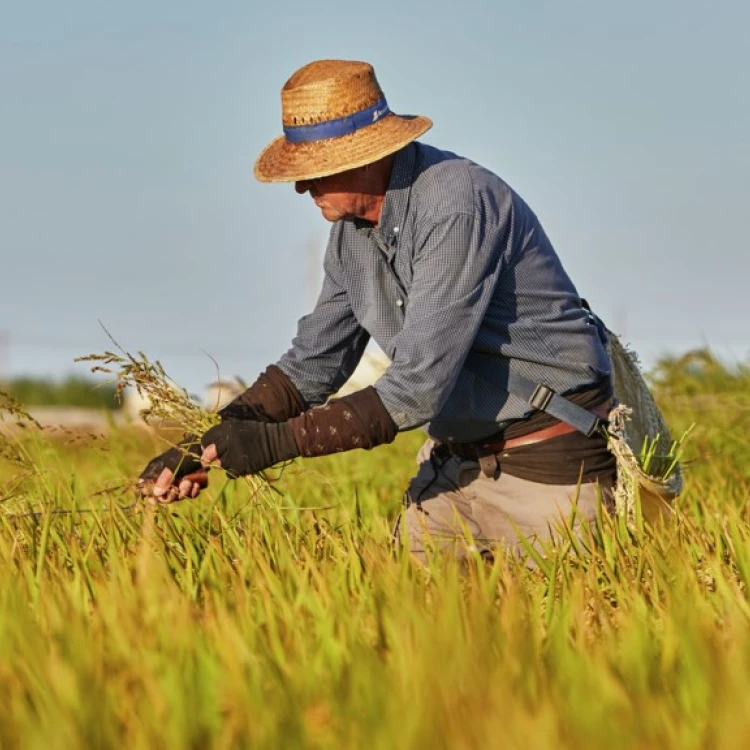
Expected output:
(536, 395)
(544, 399)
(335, 128)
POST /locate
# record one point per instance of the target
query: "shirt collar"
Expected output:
(397, 196)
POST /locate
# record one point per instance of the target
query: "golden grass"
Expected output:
(287, 619)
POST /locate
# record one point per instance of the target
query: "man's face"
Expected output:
(346, 195)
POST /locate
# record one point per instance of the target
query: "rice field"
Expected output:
(283, 618)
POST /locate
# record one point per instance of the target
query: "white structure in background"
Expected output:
(133, 403)
(220, 393)
(373, 364)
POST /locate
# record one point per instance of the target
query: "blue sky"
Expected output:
(128, 133)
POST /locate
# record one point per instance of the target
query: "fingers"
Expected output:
(192, 484)
(210, 456)
(163, 491)
(163, 483)
(199, 477)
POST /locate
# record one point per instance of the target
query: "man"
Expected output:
(452, 274)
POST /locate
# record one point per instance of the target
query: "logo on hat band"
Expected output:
(334, 128)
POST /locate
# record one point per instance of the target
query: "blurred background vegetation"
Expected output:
(73, 390)
(698, 372)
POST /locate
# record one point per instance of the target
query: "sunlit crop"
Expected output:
(283, 617)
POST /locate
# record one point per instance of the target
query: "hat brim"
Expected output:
(282, 161)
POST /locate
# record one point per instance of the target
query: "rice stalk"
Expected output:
(12, 450)
(169, 403)
(661, 462)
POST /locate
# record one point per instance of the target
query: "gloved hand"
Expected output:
(247, 447)
(177, 473)
(183, 459)
(359, 420)
(156, 482)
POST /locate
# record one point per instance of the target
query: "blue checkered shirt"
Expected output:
(458, 279)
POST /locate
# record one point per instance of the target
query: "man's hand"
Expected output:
(157, 480)
(164, 490)
(247, 447)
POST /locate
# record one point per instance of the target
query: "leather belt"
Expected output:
(474, 451)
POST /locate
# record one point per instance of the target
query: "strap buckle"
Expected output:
(596, 425)
(541, 397)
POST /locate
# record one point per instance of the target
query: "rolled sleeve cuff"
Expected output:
(405, 416)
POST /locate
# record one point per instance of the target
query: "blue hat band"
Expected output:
(336, 128)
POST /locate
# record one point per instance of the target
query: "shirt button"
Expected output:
(399, 303)
(395, 230)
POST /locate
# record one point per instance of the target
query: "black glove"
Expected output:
(271, 398)
(181, 460)
(359, 420)
(246, 447)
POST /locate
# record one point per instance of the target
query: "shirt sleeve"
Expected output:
(457, 263)
(328, 345)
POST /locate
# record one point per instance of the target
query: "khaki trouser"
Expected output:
(451, 506)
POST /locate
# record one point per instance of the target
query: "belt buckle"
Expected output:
(442, 451)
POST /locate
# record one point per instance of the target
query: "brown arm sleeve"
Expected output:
(271, 398)
(358, 420)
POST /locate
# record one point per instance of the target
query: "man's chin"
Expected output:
(330, 214)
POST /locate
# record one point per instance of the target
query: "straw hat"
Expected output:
(335, 118)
